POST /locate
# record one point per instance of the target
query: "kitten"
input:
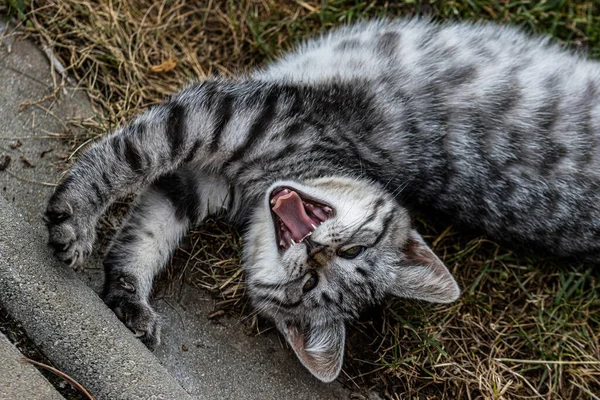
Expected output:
(320, 154)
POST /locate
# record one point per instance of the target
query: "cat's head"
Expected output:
(319, 252)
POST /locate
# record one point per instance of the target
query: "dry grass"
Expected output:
(524, 328)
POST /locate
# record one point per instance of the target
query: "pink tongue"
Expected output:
(290, 210)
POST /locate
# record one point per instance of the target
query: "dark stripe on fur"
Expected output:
(132, 155)
(192, 153)
(259, 126)
(176, 131)
(292, 130)
(372, 291)
(387, 44)
(106, 180)
(386, 225)
(297, 102)
(222, 116)
(459, 75)
(588, 101)
(98, 192)
(182, 193)
(62, 187)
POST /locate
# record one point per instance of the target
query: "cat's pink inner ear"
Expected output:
(320, 350)
(422, 275)
(416, 251)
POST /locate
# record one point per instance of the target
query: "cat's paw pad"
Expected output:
(136, 314)
(71, 238)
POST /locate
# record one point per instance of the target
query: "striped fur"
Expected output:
(497, 129)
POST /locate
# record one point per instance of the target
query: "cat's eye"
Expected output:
(311, 282)
(352, 252)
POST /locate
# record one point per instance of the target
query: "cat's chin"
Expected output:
(296, 215)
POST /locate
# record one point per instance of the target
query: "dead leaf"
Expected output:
(165, 66)
(4, 162)
(43, 153)
(26, 162)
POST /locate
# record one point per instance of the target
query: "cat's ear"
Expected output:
(422, 275)
(320, 348)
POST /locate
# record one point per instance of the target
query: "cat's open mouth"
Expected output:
(296, 215)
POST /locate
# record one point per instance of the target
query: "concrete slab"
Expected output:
(20, 380)
(221, 360)
(69, 322)
(28, 134)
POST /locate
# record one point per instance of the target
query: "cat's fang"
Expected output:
(291, 210)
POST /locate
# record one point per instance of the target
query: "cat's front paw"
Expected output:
(71, 232)
(134, 312)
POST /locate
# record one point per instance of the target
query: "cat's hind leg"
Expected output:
(151, 232)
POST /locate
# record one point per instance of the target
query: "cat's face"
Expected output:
(319, 252)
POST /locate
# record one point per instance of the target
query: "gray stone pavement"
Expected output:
(69, 322)
(20, 380)
(221, 361)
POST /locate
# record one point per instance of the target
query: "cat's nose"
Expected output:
(313, 247)
(316, 252)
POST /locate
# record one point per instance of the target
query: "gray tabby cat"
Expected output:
(487, 124)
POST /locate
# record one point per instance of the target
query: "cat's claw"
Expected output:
(141, 320)
(144, 322)
(139, 334)
(137, 315)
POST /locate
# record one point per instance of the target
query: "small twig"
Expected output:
(62, 375)
(586, 390)
(544, 362)
(79, 148)
(27, 137)
(29, 180)
(60, 121)
(26, 104)
(307, 6)
(523, 379)
(351, 380)
(56, 64)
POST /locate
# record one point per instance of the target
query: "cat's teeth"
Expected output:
(293, 242)
(313, 226)
(327, 209)
(305, 236)
(282, 243)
